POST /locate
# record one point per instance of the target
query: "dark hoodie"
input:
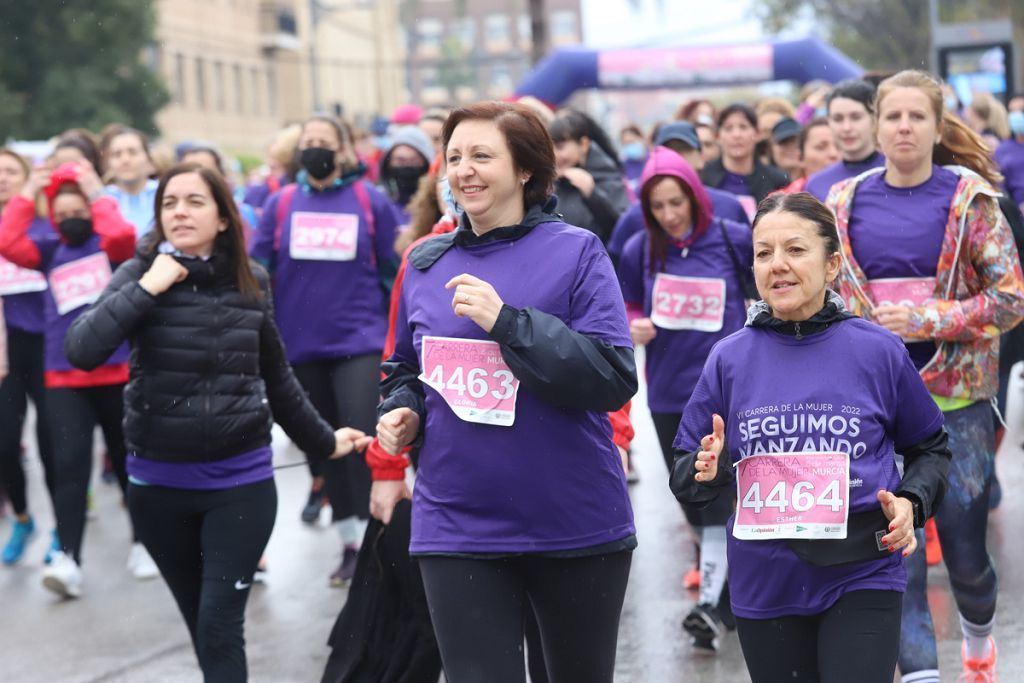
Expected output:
(599, 212)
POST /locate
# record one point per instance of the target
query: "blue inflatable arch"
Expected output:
(570, 69)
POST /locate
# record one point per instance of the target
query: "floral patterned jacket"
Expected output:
(979, 289)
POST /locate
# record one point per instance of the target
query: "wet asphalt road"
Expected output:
(123, 630)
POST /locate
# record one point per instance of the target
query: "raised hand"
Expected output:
(710, 452)
(164, 273)
(476, 300)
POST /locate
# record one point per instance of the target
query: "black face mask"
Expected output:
(406, 181)
(318, 161)
(75, 231)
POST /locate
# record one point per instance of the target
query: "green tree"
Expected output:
(885, 35)
(65, 65)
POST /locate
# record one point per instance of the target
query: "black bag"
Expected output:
(384, 634)
(864, 531)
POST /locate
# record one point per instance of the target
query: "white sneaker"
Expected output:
(63, 576)
(140, 564)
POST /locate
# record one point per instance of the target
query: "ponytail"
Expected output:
(961, 146)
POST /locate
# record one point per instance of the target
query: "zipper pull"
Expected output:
(796, 326)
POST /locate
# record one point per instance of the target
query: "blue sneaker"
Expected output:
(54, 547)
(20, 534)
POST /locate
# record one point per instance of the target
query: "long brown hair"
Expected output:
(229, 242)
(959, 144)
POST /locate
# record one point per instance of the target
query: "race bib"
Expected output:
(16, 280)
(749, 205)
(324, 236)
(472, 378)
(901, 291)
(80, 282)
(792, 495)
(688, 303)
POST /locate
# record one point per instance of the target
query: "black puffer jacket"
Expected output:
(599, 212)
(208, 370)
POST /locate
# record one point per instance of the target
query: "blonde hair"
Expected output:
(777, 105)
(959, 144)
(992, 112)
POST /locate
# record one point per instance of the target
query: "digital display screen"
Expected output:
(978, 68)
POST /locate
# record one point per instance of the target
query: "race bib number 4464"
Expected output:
(688, 303)
(324, 236)
(792, 495)
(79, 283)
(472, 378)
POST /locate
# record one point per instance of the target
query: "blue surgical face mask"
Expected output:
(1017, 122)
(449, 198)
(634, 151)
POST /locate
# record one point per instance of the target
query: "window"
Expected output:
(219, 95)
(501, 80)
(497, 28)
(525, 31)
(201, 82)
(179, 78)
(563, 26)
(255, 90)
(428, 33)
(239, 88)
(464, 30)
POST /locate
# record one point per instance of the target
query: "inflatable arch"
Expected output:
(570, 69)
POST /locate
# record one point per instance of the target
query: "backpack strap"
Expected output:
(284, 202)
(363, 197)
(744, 274)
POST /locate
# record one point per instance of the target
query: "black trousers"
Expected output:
(207, 545)
(24, 381)
(344, 392)
(856, 640)
(74, 414)
(479, 606)
(715, 513)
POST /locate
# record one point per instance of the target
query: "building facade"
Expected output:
(238, 70)
(466, 50)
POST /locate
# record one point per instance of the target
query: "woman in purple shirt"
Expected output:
(927, 254)
(511, 346)
(22, 293)
(803, 411)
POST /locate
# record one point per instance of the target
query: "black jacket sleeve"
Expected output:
(289, 404)
(604, 213)
(401, 388)
(925, 470)
(565, 368)
(111, 320)
(686, 489)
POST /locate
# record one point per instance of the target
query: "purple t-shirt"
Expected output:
(675, 358)
(723, 205)
(1010, 157)
(24, 312)
(897, 232)
(328, 309)
(736, 184)
(238, 470)
(821, 182)
(552, 480)
(851, 388)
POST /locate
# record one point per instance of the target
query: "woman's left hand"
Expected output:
(893, 317)
(580, 179)
(476, 300)
(900, 513)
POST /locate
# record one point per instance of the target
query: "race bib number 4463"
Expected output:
(472, 378)
(324, 236)
(792, 495)
(688, 303)
(79, 283)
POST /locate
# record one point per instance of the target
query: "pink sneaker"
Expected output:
(979, 670)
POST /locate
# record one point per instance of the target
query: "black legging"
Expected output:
(478, 608)
(854, 641)
(24, 381)
(345, 393)
(206, 545)
(715, 513)
(74, 413)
